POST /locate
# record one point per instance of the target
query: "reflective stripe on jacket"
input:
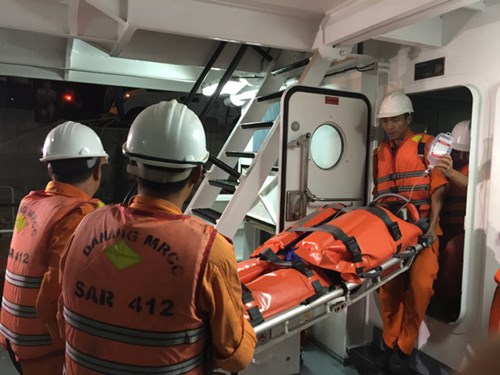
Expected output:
(131, 285)
(453, 211)
(402, 172)
(28, 259)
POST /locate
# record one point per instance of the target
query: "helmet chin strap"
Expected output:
(155, 175)
(92, 162)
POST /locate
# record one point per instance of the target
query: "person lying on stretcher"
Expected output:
(333, 244)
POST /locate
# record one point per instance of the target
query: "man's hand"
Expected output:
(445, 164)
(432, 233)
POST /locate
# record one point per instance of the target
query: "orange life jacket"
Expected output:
(453, 211)
(403, 172)
(131, 286)
(27, 263)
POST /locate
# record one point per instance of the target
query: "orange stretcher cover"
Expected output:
(284, 288)
(287, 237)
(374, 240)
(304, 256)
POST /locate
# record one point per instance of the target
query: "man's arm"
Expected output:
(233, 338)
(445, 164)
(437, 198)
(438, 183)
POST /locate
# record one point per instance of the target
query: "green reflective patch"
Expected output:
(417, 137)
(122, 256)
(21, 223)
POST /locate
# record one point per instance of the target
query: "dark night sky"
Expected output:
(88, 98)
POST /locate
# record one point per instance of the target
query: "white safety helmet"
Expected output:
(394, 104)
(165, 135)
(461, 136)
(71, 140)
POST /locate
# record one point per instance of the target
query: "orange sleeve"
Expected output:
(465, 170)
(437, 179)
(50, 290)
(233, 338)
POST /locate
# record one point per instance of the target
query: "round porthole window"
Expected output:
(327, 146)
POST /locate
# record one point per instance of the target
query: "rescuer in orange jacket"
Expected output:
(146, 289)
(456, 169)
(45, 220)
(398, 167)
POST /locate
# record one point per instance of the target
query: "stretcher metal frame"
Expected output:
(281, 326)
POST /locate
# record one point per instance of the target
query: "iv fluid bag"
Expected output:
(440, 146)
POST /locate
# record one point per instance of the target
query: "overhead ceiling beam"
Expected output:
(73, 6)
(86, 58)
(359, 21)
(433, 32)
(34, 49)
(203, 20)
(39, 16)
(298, 8)
(115, 9)
(427, 33)
(69, 54)
(125, 32)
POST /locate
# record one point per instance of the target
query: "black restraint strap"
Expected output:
(313, 214)
(253, 312)
(392, 226)
(297, 264)
(421, 149)
(319, 289)
(349, 242)
(269, 256)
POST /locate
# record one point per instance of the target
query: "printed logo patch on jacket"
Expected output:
(122, 255)
(21, 223)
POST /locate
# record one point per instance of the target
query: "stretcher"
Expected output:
(320, 268)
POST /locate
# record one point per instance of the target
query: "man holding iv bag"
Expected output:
(402, 173)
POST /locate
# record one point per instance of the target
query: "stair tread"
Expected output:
(257, 125)
(275, 95)
(241, 154)
(227, 182)
(290, 67)
(208, 214)
(225, 167)
(229, 185)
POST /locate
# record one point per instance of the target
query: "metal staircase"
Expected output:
(245, 185)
